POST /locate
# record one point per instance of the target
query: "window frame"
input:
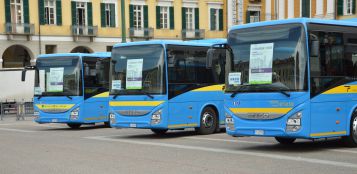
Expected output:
(164, 22)
(138, 11)
(190, 14)
(347, 7)
(16, 17)
(82, 5)
(47, 7)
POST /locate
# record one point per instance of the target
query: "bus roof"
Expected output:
(96, 54)
(206, 42)
(297, 20)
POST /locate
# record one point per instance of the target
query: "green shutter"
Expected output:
(211, 11)
(158, 26)
(90, 14)
(146, 17)
(247, 17)
(197, 18)
(183, 18)
(354, 7)
(41, 11)
(220, 19)
(74, 13)
(112, 15)
(7, 11)
(26, 16)
(172, 18)
(102, 14)
(305, 7)
(340, 7)
(131, 15)
(59, 12)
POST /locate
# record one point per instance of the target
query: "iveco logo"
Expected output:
(259, 116)
(235, 103)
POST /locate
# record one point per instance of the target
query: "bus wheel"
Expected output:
(159, 131)
(74, 125)
(282, 140)
(208, 122)
(351, 140)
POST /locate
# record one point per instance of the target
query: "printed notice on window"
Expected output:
(134, 73)
(56, 80)
(116, 84)
(234, 78)
(261, 63)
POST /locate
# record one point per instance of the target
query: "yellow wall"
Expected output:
(2, 16)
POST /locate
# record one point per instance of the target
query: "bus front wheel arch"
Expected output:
(351, 139)
(208, 121)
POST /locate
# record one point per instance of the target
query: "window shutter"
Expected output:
(211, 11)
(102, 14)
(112, 15)
(340, 7)
(247, 17)
(90, 14)
(172, 18)
(197, 18)
(7, 11)
(146, 18)
(158, 21)
(58, 12)
(41, 11)
(353, 6)
(26, 11)
(74, 14)
(183, 18)
(131, 15)
(220, 19)
(305, 7)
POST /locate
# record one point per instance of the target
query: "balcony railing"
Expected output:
(19, 29)
(79, 30)
(193, 34)
(146, 33)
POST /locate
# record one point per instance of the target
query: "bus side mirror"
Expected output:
(210, 57)
(23, 75)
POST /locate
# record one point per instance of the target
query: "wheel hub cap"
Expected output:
(354, 127)
(207, 120)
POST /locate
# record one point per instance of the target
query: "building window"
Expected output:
(109, 48)
(190, 19)
(81, 13)
(348, 4)
(164, 17)
(50, 49)
(107, 14)
(50, 12)
(214, 19)
(16, 11)
(254, 16)
(138, 17)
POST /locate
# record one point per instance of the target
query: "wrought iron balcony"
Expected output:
(79, 30)
(146, 33)
(19, 29)
(193, 34)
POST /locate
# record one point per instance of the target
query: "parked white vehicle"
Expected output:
(13, 89)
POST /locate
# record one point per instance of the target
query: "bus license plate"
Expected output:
(54, 120)
(259, 132)
(132, 125)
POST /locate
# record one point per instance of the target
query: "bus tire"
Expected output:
(351, 140)
(74, 125)
(208, 122)
(286, 141)
(159, 131)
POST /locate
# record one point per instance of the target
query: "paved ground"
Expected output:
(27, 147)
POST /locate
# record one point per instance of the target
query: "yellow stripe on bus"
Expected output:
(210, 88)
(54, 106)
(135, 103)
(102, 95)
(182, 125)
(343, 89)
(327, 133)
(261, 110)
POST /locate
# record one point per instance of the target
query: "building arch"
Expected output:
(17, 56)
(82, 49)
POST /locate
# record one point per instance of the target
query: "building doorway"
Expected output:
(81, 49)
(16, 56)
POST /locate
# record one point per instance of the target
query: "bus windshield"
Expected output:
(138, 70)
(267, 59)
(59, 76)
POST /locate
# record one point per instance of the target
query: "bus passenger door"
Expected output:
(96, 86)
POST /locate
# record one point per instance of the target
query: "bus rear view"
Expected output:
(166, 85)
(275, 87)
(72, 88)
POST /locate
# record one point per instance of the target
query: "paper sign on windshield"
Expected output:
(234, 78)
(116, 84)
(261, 63)
(56, 80)
(134, 73)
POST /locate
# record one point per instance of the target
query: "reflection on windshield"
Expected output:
(138, 70)
(59, 76)
(271, 58)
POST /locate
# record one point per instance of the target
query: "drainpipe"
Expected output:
(39, 31)
(123, 28)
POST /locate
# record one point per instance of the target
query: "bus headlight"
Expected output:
(156, 117)
(293, 123)
(74, 114)
(112, 118)
(229, 122)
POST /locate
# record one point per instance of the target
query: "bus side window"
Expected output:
(96, 76)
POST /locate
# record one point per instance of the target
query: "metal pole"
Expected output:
(1, 111)
(123, 27)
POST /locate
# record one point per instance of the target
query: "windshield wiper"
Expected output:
(147, 94)
(69, 97)
(284, 93)
(39, 97)
(234, 94)
(116, 95)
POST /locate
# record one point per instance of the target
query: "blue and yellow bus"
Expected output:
(167, 85)
(72, 88)
(292, 79)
